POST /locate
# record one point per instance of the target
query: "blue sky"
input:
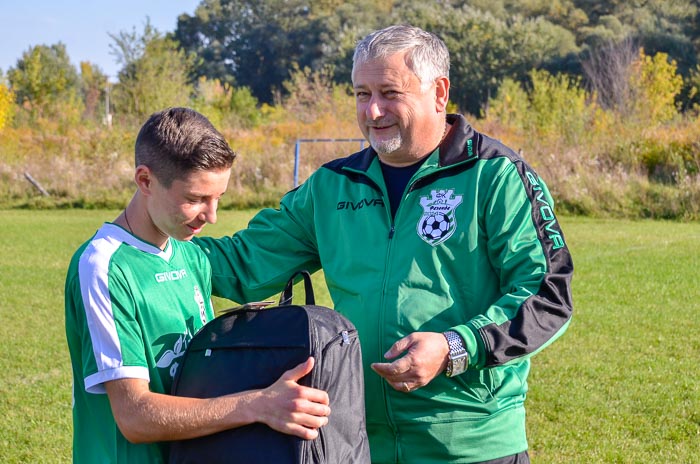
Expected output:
(82, 25)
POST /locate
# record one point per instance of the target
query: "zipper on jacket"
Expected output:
(382, 318)
(409, 188)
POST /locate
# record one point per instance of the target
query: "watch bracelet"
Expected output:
(456, 347)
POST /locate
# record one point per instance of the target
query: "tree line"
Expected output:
(250, 47)
(602, 98)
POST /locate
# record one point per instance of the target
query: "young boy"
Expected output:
(137, 292)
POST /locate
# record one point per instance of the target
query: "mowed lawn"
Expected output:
(621, 386)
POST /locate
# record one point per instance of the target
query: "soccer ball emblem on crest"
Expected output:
(437, 223)
(436, 226)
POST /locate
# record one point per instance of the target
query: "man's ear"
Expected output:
(442, 94)
(144, 179)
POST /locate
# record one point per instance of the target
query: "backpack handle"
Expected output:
(286, 297)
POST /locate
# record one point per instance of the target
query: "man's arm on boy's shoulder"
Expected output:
(144, 416)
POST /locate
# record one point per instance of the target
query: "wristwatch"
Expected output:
(458, 356)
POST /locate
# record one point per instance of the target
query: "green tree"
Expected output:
(342, 25)
(155, 72)
(485, 49)
(563, 13)
(668, 26)
(45, 82)
(608, 30)
(254, 43)
(249, 43)
(595, 9)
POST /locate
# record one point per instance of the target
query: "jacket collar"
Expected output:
(460, 143)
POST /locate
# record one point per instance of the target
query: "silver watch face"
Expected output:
(459, 365)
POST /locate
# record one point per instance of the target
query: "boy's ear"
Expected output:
(144, 179)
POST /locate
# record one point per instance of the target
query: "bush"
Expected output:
(555, 107)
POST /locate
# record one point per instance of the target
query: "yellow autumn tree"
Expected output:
(7, 105)
(654, 87)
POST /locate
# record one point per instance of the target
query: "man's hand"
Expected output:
(294, 409)
(425, 359)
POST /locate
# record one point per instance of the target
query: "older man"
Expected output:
(439, 243)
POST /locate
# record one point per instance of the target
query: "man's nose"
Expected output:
(375, 109)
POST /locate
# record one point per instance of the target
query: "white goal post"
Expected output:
(297, 152)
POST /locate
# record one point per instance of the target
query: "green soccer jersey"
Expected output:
(131, 310)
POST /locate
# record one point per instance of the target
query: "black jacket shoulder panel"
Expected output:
(464, 143)
(354, 167)
(359, 161)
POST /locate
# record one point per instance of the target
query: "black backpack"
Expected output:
(248, 348)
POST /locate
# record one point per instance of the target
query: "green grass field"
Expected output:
(621, 386)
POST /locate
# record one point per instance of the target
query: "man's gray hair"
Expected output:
(426, 54)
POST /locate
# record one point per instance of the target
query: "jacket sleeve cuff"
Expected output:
(473, 344)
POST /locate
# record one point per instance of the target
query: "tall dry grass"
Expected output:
(594, 162)
(618, 172)
(610, 161)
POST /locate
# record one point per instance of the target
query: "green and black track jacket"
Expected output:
(474, 247)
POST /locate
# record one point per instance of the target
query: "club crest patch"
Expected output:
(438, 223)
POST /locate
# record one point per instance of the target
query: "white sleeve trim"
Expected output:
(93, 271)
(95, 382)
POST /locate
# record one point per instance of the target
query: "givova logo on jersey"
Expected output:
(438, 223)
(170, 275)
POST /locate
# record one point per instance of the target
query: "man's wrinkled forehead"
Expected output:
(394, 63)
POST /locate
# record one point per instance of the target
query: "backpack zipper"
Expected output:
(317, 444)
